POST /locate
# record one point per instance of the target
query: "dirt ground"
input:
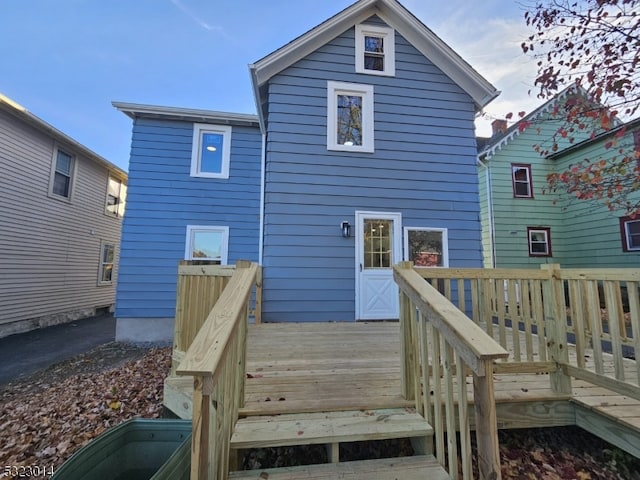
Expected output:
(49, 415)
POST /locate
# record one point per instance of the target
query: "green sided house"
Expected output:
(523, 224)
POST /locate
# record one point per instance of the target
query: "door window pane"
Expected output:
(378, 243)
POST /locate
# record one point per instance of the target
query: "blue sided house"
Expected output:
(362, 154)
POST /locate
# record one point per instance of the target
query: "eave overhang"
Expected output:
(21, 113)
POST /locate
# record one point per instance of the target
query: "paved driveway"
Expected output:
(25, 353)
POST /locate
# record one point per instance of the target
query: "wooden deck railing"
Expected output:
(440, 344)
(199, 287)
(217, 361)
(595, 312)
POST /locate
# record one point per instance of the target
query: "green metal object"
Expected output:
(139, 449)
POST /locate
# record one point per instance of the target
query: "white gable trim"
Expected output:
(397, 17)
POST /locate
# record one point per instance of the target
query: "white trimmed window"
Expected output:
(350, 117)
(630, 231)
(375, 50)
(207, 243)
(116, 195)
(539, 241)
(521, 180)
(426, 247)
(107, 259)
(211, 151)
(62, 173)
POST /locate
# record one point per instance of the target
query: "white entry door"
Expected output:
(378, 248)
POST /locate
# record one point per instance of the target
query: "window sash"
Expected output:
(539, 242)
(350, 117)
(426, 246)
(521, 178)
(632, 231)
(62, 174)
(207, 243)
(107, 261)
(115, 197)
(211, 151)
(374, 50)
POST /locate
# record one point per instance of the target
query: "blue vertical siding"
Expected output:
(163, 199)
(423, 166)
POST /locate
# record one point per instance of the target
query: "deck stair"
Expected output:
(420, 467)
(333, 428)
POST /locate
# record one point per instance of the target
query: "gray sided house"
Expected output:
(362, 154)
(524, 225)
(61, 224)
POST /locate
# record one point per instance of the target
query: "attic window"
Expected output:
(375, 50)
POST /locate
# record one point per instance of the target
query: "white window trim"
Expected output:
(101, 264)
(366, 92)
(627, 234)
(388, 34)
(208, 228)
(547, 241)
(52, 174)
(121, 198)
(529, 182)
(445, 243)
(198, 130)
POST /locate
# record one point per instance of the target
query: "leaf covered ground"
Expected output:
(51, 414)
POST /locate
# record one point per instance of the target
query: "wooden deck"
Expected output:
(322, 367)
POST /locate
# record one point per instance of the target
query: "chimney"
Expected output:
(498, 126)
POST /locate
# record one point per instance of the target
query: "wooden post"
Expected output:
(486, 424)
(258, 312)
(555, 312)
(406, 343)
(201, 418)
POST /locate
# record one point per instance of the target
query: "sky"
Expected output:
(66, 60)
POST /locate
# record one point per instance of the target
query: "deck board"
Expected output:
(312, 367)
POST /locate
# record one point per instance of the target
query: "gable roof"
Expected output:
(18, 111)
(396, 16)
(629, 126)
(497, 142)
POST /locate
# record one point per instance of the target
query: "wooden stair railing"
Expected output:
(217, 361)
(440, 344)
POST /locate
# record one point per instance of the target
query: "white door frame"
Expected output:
(360, 216)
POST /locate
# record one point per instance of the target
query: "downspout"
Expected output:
(262, 188)
(492, 232)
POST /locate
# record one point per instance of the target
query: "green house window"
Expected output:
(521, 179)
(539, 241)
